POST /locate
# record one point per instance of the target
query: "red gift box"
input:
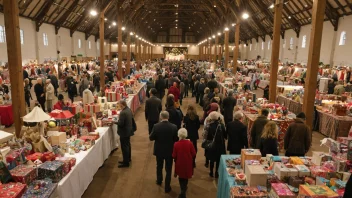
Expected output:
(48, 156)
(75, 108)
(112, 96)
(319, 171)
(12, 190)
(69, 162)
(24, 174)
(91, 108)
(87, 138)
(35, 156)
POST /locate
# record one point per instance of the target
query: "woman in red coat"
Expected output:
(183, 153)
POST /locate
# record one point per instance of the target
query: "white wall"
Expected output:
(64, 42)
(343, 53)
(46, 52)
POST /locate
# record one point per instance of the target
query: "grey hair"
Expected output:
(214, 115)
(164, 115)
(182, 133)
(230, 93)
(238, 115)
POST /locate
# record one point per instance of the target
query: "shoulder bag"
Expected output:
(210, 144)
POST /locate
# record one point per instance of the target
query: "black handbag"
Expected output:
(210, 144)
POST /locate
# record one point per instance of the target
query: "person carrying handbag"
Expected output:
(214, 141)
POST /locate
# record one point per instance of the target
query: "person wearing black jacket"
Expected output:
(175, 115)
(54, 82)
(237, 134)
(40, 93)
(150, 85)
(192, 124)
(152, 109)
(201, 88)
(71, 87)
(186, 82)
(165, 135)
(125, 131)
(160, 87)
(25, 74)
(268, 142)
(228, 105)
(96, 82)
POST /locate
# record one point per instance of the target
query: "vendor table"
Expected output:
(282, 125)
(334, 126)
(6, 115)
(292, 106)
(225, 181)
(135, 100)
(87, 164)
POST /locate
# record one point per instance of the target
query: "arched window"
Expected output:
(304, 41)
(22, 36)
(269, 43)
(2, 34)
(291, 43)
(79, 43)
(343, 38)
(45, 39)
(250, 47)
(263, 45)
(89, 45)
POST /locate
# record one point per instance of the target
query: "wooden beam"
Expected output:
(13, 42)
(39, 18)
(313, 59)
(275, 50)
(64, 16)
(226, 48)
(102, 54)
(236, 50)
(83, 17)
(119, 43)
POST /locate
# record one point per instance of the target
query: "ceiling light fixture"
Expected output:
(219, 33)
(226, 29)
(245, 15)
(93, 12)
(131, 33)
(213, 36)
(123, 28)
(105, 19)
(114, 23)
(271, 6)
(289, 17)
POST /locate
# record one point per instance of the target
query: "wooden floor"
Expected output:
(138, 181)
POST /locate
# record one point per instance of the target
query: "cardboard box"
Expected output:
(302, 170)
(296, 181)
(284, 172)
(250, 154)
(251, 163)
(317, 191)
(24, 174)
(56, 138)
(319, 157)
(256, 175)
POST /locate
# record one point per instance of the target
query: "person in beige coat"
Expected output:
(50, 95)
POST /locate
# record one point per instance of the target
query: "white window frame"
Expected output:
(304, 41)
(45, 39)
(291, 43)
(79, 44)
(22, 36)
(343, 38)
(262, 45)
(89, 45)
(250, 47)
(269, 43)
(2, 34)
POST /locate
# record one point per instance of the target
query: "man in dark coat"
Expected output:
(150, 85)
(40, 93)
(201, 88)
(257, 128)
(71, 87)
(25, 74)
(125, 131)
(165, 135)
(54, 82)
(237, 134)
(228, 105)
(160, 87)
(298, 137)
(212, 84)
(152, 109)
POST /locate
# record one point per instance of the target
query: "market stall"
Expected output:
(333, 126)
(293, 106)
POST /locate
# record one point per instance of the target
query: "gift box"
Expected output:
(317, 191)
(91, 108)
(319, 157)
(5, 175)
(284, 172)
(12, 190)
(24, 174)
(296, 181)
(247, 191)
(51, 169)
(322, 181)
(69, 162)
(55, 137)
(318, 171)
(40, 188)
(35, 156)
(282, 191)
(302, 170)
(112, 96)
(296, 161)
(96, 135)
(250, 154)
(48, 156)
(250, 163)
(309, 180)
(75, 108)
(88, 139)
(15, 158)
(256, 175)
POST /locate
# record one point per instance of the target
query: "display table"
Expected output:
(333, 126)
(225, 181)
(282, 127)
(292, 106)
(135, 100)
(87, 164)
(6, 115)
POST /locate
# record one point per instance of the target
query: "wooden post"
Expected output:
(128, 63)
(102, 58)
(226, 51)
(210, 49)
(11, 15)
(216, 49)
(151, 52)
(200, 52)
(110, 49)
(237, 47)
(144, 52)
(119, 47)
(275, 51)
(313, 59)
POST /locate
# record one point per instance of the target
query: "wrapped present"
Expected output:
(51, 169)
(96, 135)
(302, 170)
(112, 96)
(75, 108)
(250, 154)
(88, 140)
(91, 108)
(40, 188)
(24, 174)
(35, 156)
(256, 175)
(247, 191)
(282, 191)
(322, 181)
(250, 163)
(48, 156)
(318, 171)
(284, 172)
(69, 162)
(296, 181)
(319, 157)
(296, 161)
(56, 138)
(5, 175)
(12, 190)
(338, 183)
(15, 158)
(317, 191)
(331, 165)
(309, 180)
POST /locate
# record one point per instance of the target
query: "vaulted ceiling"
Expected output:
(202, 17)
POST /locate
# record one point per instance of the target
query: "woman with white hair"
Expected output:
(183, 153)
(214, 132)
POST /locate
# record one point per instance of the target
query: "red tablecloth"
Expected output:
(6, 115)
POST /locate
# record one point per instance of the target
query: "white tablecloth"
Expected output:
(87, 164)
